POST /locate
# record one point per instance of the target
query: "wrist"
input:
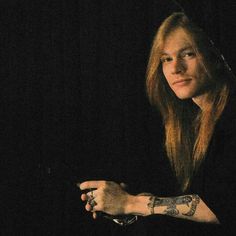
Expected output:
(137, 205)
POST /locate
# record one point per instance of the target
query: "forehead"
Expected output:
(177, 40)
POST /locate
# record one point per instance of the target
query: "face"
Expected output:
(181, 66)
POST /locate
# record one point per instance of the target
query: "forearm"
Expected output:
(190, 207)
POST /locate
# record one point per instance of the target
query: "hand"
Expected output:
(107, 196)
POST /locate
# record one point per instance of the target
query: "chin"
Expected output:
(183, 96)
(184, 92)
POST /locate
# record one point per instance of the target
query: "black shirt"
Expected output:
(214, 183)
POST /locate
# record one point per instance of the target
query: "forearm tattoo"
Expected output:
(171, 204)
(195, 202)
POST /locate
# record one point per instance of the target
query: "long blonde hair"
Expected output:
(188, 129)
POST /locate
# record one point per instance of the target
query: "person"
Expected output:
(193, 87)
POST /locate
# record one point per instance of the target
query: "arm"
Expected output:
(110, 198)
(190, 207)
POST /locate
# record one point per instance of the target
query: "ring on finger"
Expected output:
(90, 196)
(92, 203)
(91, 200)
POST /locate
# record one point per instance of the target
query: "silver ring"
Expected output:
(90, 195)
(91, 200)
(92, 203)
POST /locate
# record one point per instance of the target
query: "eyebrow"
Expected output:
(181, 50)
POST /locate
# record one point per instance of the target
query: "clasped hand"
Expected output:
(105, 196)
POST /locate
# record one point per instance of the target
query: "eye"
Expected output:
(188, 54)
(166, 59)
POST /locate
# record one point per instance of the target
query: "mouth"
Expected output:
(181, 82)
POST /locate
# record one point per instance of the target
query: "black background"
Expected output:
(74, 107)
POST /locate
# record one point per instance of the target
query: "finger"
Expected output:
(92, 184)
(92, 194)
(84, 197)
(88, 207)
(93, 208)
(95, 215)
(89, 195)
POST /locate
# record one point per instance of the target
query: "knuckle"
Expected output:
(103, 183)
(107, 184)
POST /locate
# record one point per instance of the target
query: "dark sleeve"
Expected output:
(220, 178)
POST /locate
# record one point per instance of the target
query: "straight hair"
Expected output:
(188, 129)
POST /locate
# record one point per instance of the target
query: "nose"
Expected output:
(178, 66)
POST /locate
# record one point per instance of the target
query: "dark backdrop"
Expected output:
(73, 104)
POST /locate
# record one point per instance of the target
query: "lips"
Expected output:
(181, 81)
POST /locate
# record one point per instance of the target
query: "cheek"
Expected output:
(166, 73)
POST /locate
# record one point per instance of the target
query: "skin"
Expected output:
(187, 78)
(112, 199)
(182, 68)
